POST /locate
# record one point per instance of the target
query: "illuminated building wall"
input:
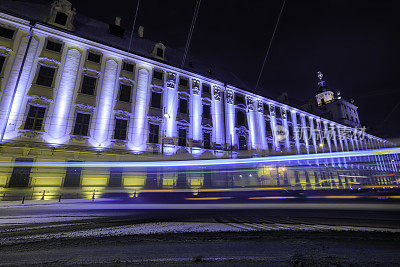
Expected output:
(62, 99)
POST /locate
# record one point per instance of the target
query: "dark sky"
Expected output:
(354, 43)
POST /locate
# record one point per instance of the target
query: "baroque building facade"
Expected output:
(66, 94)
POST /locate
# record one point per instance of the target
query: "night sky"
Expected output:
(354, 43)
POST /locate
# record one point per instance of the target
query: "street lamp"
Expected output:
(166, 116)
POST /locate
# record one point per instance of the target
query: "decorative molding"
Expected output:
(31, 134)
(85, 69)
(229, 97)
(84, 108)
(217, 93)
(283, 113)
(171, 79)
(242, 131)
(271, 110)
(249, 103)
(125, 80)
(155, 119)
(48, 59)
(122, 114)
(260, 106)
(39, 100)
(196, 87)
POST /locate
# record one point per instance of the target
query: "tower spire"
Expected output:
(321, 82)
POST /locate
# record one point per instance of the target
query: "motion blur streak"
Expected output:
(212, 162)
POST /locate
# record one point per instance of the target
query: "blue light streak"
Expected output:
(210, 162)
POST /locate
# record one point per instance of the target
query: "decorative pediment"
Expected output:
(39, 100)
(171, 79)
(155, 119)
(84, 108)
(196, 87)
(122, 114)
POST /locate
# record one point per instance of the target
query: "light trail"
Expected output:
(209, 162)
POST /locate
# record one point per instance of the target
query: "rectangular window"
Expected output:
(125, 92)
(153, 133)
(53, 46)
(183, 106)
(182, 137)
(34, 120)
(45, 76)
(206, 89)
(158, 75)
(94, 57)
(160, 52)
(183, 82)
(6, 33)
(21, 174)
(82, 124)
(88, 85)
(61, 18)
(2, 61)
(155, 99)
(207, 140)
(239, 99)
(120, 129)
(268, 129)
(126, 66)
(73, 176)
(206, 111)
(115, 179)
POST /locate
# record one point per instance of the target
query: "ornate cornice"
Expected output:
(217, 93)
(171, 79)
(195, 87)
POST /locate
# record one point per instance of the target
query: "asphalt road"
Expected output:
(218, 229)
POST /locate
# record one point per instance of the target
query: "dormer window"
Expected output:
(53, 46)
(129, 67)
(94, 57)
(62, 14)
(61, 18)
(159, 51)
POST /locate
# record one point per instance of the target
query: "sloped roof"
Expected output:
(98, 31)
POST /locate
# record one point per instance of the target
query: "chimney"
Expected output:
(141, 31)
(118, 21)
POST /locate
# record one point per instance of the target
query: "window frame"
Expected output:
(130, 92)
(204, 139)
(122, 135)
(35, 118)
(187, 105)
(94, 53)
(151, 136)
(75, 124)
(160, 93)
(82, 81)
(66, 18)
(38, 71)
(9, 29)
(179, 136)
(55, 42)
(125, 63)
(158, 71)
(209, 111)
